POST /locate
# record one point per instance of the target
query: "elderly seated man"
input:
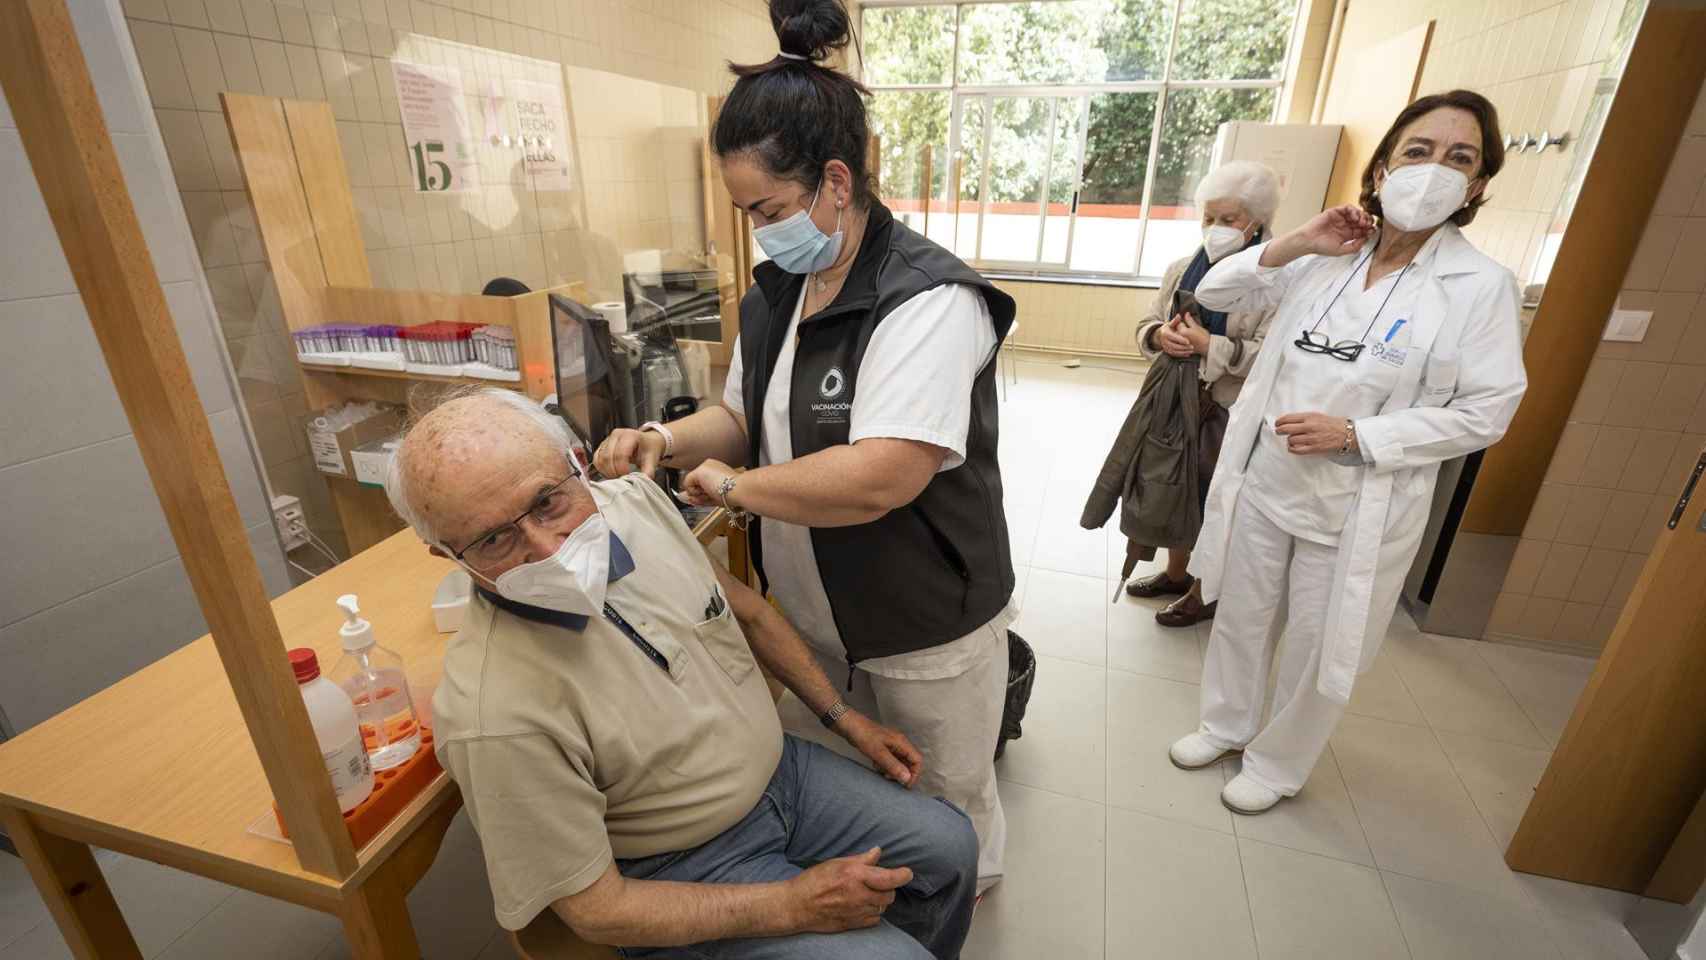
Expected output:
(617, 748)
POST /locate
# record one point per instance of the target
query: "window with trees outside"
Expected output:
(1063, 137)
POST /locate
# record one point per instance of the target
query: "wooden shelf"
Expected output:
(406, 375)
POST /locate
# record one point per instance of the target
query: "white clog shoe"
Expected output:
(1246, 796)
(1193, 752)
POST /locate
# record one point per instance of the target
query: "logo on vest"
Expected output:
(833, 405)
(832, 384)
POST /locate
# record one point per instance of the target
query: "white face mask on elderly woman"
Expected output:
(1420, 196)
(1221, 241)
(572, 580)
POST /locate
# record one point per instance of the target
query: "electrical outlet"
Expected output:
(292, 524)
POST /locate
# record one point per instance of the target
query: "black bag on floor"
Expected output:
(1021, 673)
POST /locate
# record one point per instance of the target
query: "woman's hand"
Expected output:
(700, 487)
(1181, 337)
(1314, 433)
(1336, 231)
(894, 756)
(625, 451)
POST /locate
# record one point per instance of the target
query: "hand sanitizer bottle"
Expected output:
(333, 720)
(374, 679)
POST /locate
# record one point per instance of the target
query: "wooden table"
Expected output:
(160, 766)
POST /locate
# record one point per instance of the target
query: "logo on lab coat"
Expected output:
(832, 384)
(1391, 356)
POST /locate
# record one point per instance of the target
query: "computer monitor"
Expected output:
(606, 381)
(592, 377)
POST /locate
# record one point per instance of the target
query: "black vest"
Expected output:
(939, 567)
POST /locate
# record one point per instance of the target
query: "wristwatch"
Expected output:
(835, 712)
(664, 432)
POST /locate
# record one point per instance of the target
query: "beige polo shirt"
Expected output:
(574, 748)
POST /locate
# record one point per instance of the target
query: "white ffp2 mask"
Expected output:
(1420, 196)
(1222, 241)
(572, 580)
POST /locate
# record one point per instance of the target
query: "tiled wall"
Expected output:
(338, 50)
(91, 587)
(640, 149)
(1637, 427)
(1537, 61)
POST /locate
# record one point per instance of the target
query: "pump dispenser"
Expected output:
(376, 682)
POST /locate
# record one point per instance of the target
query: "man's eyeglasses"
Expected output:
(495, 546)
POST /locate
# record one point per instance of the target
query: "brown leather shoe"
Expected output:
(1185, 611)
(1158, 585)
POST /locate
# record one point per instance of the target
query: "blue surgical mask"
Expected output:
(796, 244)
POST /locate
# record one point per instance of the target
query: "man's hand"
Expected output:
(846, 893)
(888, 748)
(625, 451)
(1313, 433)
(700, 487)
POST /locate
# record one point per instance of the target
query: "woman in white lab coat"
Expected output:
(1395, 346)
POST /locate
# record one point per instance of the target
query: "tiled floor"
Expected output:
(1393, 849)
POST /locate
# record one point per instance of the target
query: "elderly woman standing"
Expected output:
(1237, 201)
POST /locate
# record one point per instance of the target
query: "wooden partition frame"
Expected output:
(1683, 870)
(1630, 767)
(64, 133)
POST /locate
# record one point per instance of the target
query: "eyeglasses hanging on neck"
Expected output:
(1313, 341)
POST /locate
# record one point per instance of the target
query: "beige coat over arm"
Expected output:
(1229, 359)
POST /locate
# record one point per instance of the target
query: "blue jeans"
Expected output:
(820, 806)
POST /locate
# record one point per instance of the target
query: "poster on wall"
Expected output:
(541, 132)
(436, 131)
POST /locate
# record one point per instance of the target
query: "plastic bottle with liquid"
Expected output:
(332, 716)
(374, 679)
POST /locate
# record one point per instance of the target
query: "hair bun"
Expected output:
(813, 29)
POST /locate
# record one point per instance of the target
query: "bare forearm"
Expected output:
(787, 658)
(840, 486)
(653, 913)
(714, 433)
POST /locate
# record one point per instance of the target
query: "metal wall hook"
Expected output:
(1529, 143)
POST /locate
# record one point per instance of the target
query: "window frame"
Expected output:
(958, 91)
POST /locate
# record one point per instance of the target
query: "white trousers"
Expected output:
(955, 722)
(1264, 565)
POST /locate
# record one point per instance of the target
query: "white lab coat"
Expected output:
(1459, 387)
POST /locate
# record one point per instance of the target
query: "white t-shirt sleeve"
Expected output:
(915, 380)
(731, 387)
